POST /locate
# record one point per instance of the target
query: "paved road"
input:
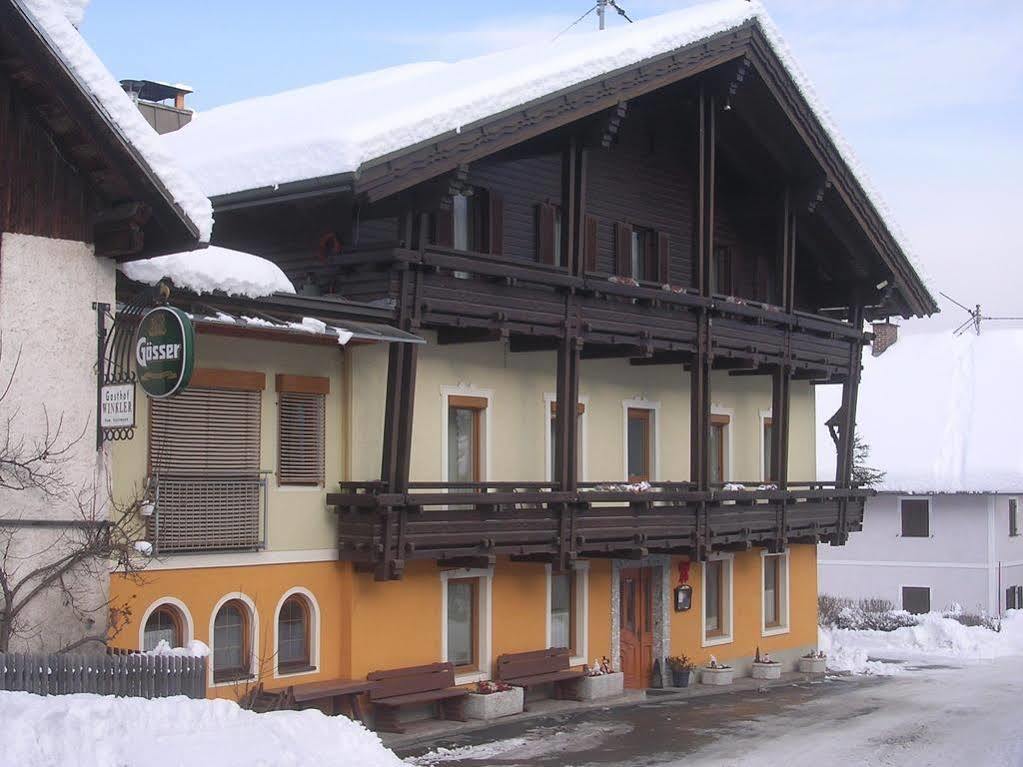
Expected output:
(929, 715)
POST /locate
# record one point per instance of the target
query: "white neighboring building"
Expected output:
(942, 417)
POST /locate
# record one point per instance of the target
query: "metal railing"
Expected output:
(208, 512)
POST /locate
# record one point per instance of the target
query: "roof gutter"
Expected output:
(323, 186)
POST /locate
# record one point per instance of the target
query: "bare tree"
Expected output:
(56, 560)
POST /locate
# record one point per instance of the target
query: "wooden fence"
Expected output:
(130, 675)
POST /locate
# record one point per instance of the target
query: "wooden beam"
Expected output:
(448, 336)
(519, 343)
(482, 561)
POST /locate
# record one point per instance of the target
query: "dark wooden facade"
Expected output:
(757, 252)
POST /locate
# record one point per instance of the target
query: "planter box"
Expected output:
(494, 705)
(766, 670)
(813, 665)
(681, 678)
(719, 676)
(603, 686)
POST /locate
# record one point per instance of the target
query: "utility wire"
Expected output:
(621, 11)
(574, 23)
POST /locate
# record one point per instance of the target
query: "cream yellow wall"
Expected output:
(298, 516)
(747, 610)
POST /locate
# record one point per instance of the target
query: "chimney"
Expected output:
(153, 97)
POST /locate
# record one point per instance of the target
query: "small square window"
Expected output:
(916, 599)
(916, 522)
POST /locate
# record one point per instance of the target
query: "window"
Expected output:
(1014, 598)
(548, 235)
(232, 642)
(717, 597)
(1013, 517)
(165, 623)
(768, 437)
(293, 632)
(463, 622)
(563, 633)
(776, 593)
(718, 448)
(301, 408)
(474, 221)
(916, 599)
(465, 438)
(916, 514)
(553, 437)
(640, 444)
(721, 272)
(641, 253)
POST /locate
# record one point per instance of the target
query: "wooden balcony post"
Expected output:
(573, 185)
(781, 375)
(566, 448)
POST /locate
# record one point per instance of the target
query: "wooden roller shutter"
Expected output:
(663, 258)
(496, 224)
(301, 426)
(623, 249)
(590, 243)
(545, 233)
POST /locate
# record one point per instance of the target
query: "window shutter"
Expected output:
(623, 249)
(650, 246)
(496, 228)
(545, 233)
(590, 243)
(301, 419)
(663, 258)
(444, 228)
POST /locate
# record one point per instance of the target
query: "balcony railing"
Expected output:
(444, 521)
(208, 512)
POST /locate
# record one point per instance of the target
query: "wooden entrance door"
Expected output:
(636, 620)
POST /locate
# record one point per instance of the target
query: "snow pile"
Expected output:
(55, 19)
(934, 636)
(195, 649)
(933, 411)
(213, 269)
(100, 731)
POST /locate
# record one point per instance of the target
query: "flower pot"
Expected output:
(603, 686)
(681, 678)
(766, 670)
(717, 676)
(813, 665)
(495, 704)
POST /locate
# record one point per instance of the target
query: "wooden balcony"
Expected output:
(473, 523)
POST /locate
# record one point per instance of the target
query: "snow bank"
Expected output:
(56, 20)
(211, 269)
(100, 731)
(933, 410)
(935, 636)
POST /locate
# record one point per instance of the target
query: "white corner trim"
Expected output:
(550, 398)
(178, 605)
(314, 632)
(727, 573)
(465, 390)
(763, 416)
(726, 470)
(582, 612)
(485, 608)
(642, 404)
(785, 625)
(253, 638)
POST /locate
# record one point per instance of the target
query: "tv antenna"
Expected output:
(976, 317)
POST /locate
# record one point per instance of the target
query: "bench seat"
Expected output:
(433, 683)
(421, 697)
(548, 678)
(540, 667)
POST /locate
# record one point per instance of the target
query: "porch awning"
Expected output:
(342, 331)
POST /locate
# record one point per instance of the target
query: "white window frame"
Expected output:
(177, 604)
(253, 639)
(549, 398)
(466, 390)
(784, 624)
(761, 419)
(727, 572)
(314, 632)
(485, 622)
(655, 407)
(582, 612)
(930, 519)
(726, 470)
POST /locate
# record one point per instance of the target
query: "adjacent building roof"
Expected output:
(940, 413)
(50, 23)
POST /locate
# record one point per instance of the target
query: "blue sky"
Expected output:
(929, 94)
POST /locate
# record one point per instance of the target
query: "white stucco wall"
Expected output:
(47, 288)
(969, 557)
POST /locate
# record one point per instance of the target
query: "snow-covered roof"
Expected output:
(940, 413)
(213, 269)
(55, 19)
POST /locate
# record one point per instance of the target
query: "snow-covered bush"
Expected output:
(872, 614)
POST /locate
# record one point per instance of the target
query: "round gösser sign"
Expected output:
(164, 351)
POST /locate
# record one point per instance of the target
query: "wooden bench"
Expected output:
(340, 693)
(540, 667)
(415, 685)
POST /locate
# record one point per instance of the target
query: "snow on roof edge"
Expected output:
(212, 269)
(50, 19)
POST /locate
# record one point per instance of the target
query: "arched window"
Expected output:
(231, 642)
(164, 623)
(293, 626)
